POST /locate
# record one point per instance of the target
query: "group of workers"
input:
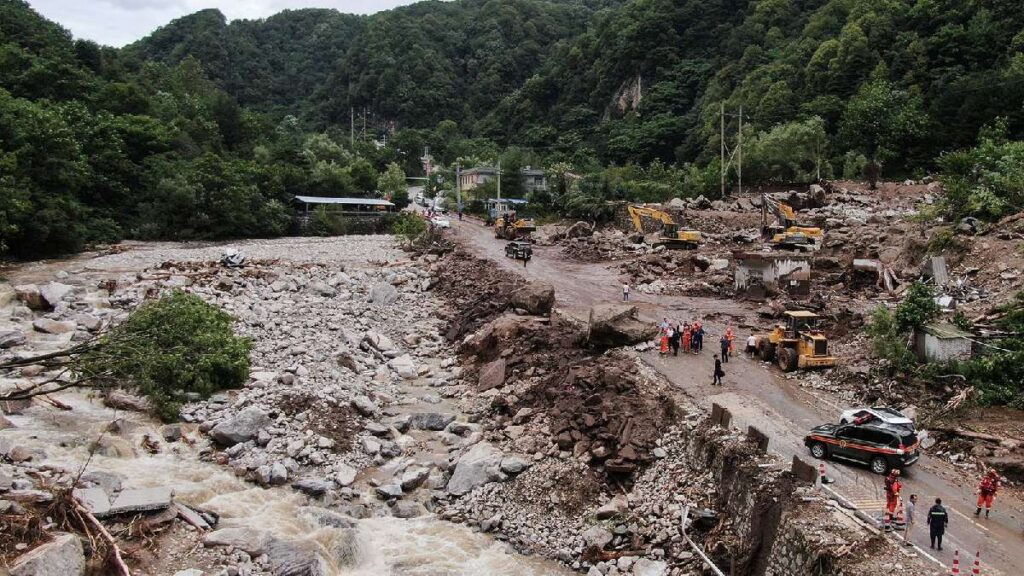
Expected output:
(938, 518)
(685, 335)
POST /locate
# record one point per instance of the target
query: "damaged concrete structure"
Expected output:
(759, 274)
(941, 342)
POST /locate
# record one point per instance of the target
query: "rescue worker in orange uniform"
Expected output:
(892, 493)
(987, 492)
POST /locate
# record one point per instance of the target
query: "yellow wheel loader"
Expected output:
(797, 344)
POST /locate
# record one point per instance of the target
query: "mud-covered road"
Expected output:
(759, 395)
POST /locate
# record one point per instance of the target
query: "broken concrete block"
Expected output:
(95, 500)
(142, 500)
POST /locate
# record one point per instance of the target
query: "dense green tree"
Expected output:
(879, 121)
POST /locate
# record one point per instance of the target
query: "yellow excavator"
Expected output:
(671, 234)
(798, 344)
(786, 232)
(508, 227)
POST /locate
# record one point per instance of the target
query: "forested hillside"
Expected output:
(413, 66)
(95, 147)
(205, 129)
(935, 71)
(846, 82)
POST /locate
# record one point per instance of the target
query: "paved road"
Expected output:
(758, 394)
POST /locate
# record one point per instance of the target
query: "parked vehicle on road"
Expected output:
(441, 222)
(876, 414)
(519, 250)
(881, 446)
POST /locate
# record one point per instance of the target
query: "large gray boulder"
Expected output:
(48, 326)
(244, 426)
(479, 466)
(62, 556)
(383, 294)
(492, 375)
(435, 421)
(535, 298)
(294, 558)
(404, 366)
(613, 325)
(11, 338)
(647, 567)
(54, 292)
(249, 540)
(30, 295)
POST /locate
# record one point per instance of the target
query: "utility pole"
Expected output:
(499, 180)
(726, 163)
(458, 186)
(739, 150)
(721, 163)
(351, 127)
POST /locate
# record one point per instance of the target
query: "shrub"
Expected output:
(169, 349)
(408, 226)
(918, 307)
(888, 341)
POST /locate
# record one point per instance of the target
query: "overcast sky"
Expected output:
(119, 22)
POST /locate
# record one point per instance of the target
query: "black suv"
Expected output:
(881, 446)
(519, 249)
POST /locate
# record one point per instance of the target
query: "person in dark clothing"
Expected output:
(697, 338)
(725, 349)
(938, 519)
(718, 372)
(673, 340)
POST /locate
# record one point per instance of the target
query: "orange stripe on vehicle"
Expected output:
(862, 447)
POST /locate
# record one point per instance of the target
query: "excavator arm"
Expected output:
(671, 233)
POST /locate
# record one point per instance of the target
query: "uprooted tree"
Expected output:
(168, 350)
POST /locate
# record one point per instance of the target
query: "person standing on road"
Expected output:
(687, 338)
(625, 292)
(987, 492)
(663, 347)
(730, 337)
(698, 337)
(724, 342)
(718, 372)
(892, 495)
(673, 340)
(911, 507)
(751, 346)
(938, 519)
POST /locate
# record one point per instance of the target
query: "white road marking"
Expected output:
(969, 519)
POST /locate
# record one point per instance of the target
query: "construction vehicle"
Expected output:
(510, 227)
(798, 344)
(786, 232)
(671, 234)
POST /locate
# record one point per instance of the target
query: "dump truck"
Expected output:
(671, 234)
(797, 344)
(786, 232)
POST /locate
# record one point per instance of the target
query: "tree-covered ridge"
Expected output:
(414, 66)
(95, 147)
(959, 63)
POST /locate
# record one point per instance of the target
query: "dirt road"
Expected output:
(760, 395)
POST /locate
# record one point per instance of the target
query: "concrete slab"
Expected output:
(142, 500)
(95, 500)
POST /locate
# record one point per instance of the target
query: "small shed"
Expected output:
(941, 342)
(757, 272)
